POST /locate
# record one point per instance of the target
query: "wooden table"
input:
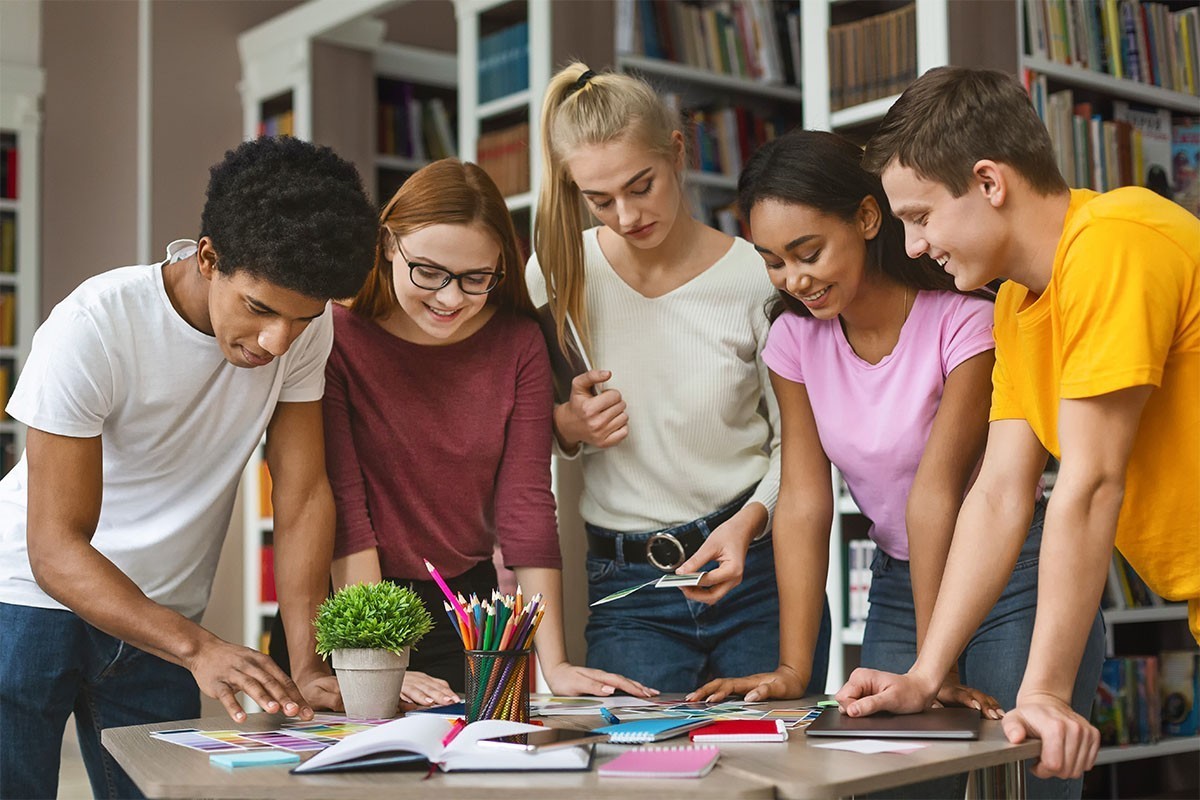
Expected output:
(794, 769)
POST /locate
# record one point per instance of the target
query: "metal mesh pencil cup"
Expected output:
(497, 685)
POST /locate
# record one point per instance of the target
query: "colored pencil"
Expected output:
(437, 578)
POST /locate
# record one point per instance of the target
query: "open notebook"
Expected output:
(422, 735)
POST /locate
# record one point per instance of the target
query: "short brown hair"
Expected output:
(452, 192)
(951, 117)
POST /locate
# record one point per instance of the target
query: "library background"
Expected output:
(392, 85)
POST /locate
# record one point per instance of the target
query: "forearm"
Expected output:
(986, 542)
(930, 521)
(360, 567)
(800, 550)
(77, 575)
(550, 642)
(568, 444)
(1077, 544)
(303, 555)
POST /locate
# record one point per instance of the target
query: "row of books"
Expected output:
(755, 39)
(8, 379)
(280, 124)
(723, 216)
(1134, 146)
(265, 509)
(8, 318)
(721, 139)
(1145, 42)
(8, 242)
(266, 573)
(1125, 588)
(859, 555)
(1143, 698)
(504, 155)
(8, 166)
(872, 57)
(410, 127)
(504, 62)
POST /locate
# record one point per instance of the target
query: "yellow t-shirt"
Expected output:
(1122, 310)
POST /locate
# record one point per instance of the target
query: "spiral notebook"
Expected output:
(650, 730)
(662, 762)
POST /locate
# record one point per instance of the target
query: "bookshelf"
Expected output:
(504, 67)
(731, 70)
(20, 258)
(1118, 86)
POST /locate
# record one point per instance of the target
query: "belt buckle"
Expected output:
(670, 552)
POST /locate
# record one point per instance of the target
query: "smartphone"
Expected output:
(547, 739)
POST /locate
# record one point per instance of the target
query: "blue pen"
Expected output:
(609, 717)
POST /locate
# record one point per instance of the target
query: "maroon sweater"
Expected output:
(437, 452)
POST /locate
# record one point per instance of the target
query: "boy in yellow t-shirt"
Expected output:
(1097, 362)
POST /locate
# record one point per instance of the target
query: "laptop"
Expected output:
(934, 723)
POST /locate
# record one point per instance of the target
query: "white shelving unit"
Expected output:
(933, 50)
(473, 115)
(1133, 752)
(21, 118)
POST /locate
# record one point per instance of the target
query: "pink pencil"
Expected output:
(446, 590)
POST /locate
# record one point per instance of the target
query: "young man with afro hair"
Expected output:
(145, 393)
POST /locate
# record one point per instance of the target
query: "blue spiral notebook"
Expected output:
(650, 730)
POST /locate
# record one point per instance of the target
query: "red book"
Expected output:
(267, 574)
(741, 730)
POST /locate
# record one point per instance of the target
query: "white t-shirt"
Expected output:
(703, 422)
(178, 423)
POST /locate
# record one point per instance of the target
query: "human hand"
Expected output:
(1069, 742)
(426, 690)
(784, 683)
(954, 693)
(568, 680)
(321, 690)
(726, 545)
(591, 417)
(223, 669)
(870, 690)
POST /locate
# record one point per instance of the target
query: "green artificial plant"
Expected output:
(377, 616)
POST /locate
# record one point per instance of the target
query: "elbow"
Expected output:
(47, 568)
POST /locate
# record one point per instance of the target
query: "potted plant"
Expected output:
(369, 628)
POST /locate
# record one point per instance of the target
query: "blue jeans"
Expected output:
(52, 663)
(661, 639)
(994, 660)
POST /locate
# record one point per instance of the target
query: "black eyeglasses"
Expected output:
(431, 278)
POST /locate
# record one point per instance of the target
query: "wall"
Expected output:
(89, 142)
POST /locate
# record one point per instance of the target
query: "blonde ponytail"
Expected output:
(585, 108)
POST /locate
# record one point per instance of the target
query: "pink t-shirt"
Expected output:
(874, 419)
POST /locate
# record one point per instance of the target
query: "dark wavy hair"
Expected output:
(824, 171)
(291, 213)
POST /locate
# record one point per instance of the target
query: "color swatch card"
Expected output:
(662, 762)
(253, 758)
(741, 730)
(666, 581)
(234, 741)
(650, 730)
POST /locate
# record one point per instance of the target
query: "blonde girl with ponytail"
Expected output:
(676, 427)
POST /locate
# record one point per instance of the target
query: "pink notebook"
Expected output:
(662, 762)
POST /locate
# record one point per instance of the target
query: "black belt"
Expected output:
(665, 549)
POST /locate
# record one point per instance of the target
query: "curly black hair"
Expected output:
(292, 213)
